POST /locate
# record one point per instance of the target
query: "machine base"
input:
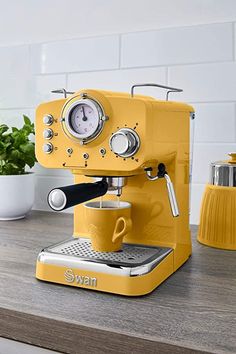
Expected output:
(135, 270)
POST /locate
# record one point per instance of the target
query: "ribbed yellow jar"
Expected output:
(218, 217)
(218, 211)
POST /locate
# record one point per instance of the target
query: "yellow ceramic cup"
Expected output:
(108, 224)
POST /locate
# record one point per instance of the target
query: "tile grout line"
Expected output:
(117, 34)
(120, 48)
(16, 108)
(66, 81)
(235, 122)
(139, 67)
(167, 75)
(214, 143)
(43, 176)
(233, 44)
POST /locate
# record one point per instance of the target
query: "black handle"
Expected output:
(66, 197)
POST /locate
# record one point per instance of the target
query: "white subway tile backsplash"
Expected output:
(14, 117)
(194, 44)
(204, 154)
(119, 80)
(14, 61)
(45, 84)
(197, 191)
(41, 171)
(215, 122)
(17, 92)
(205, 82)
(84, 54)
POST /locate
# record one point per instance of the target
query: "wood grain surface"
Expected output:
(193, 311)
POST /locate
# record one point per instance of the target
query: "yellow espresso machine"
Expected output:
(127, 146)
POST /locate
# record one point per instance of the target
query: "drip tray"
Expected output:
(132, 259)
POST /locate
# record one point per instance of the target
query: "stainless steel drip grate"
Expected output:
(130, 255)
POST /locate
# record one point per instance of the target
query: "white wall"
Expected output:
(192, 52)
(28, 21)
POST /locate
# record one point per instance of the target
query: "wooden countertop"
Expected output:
(192, 311)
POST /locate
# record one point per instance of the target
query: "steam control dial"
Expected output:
(125, 142)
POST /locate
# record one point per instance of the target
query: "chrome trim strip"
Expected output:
(102, 266)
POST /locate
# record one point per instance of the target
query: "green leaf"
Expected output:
(27, 120)
(16, 148)
(15, 155)
(27, 148)
(30, 161)
(3, 128)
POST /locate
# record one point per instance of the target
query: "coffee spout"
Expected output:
(115, 184)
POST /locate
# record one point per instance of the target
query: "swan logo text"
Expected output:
(71, 277)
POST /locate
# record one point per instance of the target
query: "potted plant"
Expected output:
(17, 152)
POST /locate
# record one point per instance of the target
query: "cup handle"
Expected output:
(127, 222)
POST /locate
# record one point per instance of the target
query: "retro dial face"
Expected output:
(84, 120)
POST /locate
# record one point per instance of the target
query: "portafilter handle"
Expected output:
(170, 188)
(65, 197)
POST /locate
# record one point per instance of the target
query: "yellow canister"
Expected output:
(218, 211)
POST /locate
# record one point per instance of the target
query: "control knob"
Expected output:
(48, 134)
(47, 148)
(125, 142)
(48, 119)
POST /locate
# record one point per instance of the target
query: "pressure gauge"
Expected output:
(84, 120)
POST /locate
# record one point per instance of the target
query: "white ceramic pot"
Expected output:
(16, 196)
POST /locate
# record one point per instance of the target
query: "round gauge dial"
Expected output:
(83, 120)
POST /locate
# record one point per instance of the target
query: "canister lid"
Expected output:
(223, 173)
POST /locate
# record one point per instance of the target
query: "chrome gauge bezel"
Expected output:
(84, 138)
